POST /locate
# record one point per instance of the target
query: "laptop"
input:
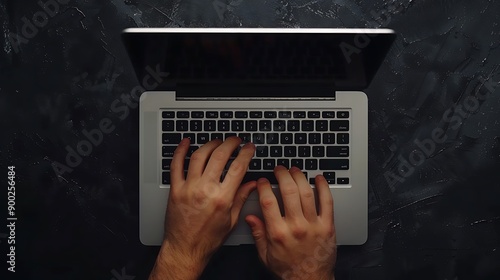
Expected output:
(297, 94)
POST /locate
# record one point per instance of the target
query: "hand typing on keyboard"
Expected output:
(202, 211)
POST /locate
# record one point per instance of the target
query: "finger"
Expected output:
(289, 193)
(325, 199)
(239, 167)
(269, 205)
(306, 194)
(240, 198)
(200, 157)
(259, 235)
(177, 164)
(219, 158)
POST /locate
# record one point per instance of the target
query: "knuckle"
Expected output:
(218, 155)
(267, 203)
(220, 203)
(197, 156)
(308, 194)
(236, 167)
(299, 231)
(278, 236)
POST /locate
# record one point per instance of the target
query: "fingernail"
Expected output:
(262, 181)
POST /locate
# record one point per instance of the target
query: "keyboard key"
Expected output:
(343, 114)
(259, 138)
(214, 136)
(330, 177)
(334, 164)
(322, 125)
(304, 151)
(318, 151)
(255, 115)
(311, 164)
(181, 125)
(299, 163)
(285, 114)
(307, 125)
(227, 135)
(212, 115)
(186, 164)
(191, 137)
(255, 164)
(168, 114)
(283, 162)
(337, 151)
(209, 125)
(270, 114)
(313, 114)
(328, 115)
(279, 126)
(268, 164)
(299, 115)
(343, 181)
(171, 138)
(276, 151)
(167, 125)
(237, 125)
(197, 114)
(196, 125)
(339, 125)
(241, 114)
(262, 151)
(245, 137)
(165, 163)
(342, 138)
(300, 138)
(286, 138)
(202, 138)
(165, 178)
(272, 138)
(290, 151)
(312, 181)
(223, 125)
(314, 138)
(251, 125)
(328, 138)
(182, 115)
(168, 151)
(293, 125)
(226, 114)
(265, 125)
(254, 176)
(191, 150)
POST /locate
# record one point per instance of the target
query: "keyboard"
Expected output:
(315, 141)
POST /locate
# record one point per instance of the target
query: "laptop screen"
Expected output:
(347, 60)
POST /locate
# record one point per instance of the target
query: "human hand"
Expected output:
(201, 210)
(300, 245)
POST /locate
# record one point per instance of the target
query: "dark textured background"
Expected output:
(440, 222)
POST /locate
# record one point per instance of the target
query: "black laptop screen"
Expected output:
(258, 57)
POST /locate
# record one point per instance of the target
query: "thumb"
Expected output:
(259, 235)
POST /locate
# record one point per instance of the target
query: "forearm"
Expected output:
(172, 265)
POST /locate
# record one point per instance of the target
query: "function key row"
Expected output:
(254, 114)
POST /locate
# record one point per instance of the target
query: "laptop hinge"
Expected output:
(255, 91)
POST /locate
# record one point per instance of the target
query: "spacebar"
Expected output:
(254, 176)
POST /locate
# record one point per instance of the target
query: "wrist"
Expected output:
(173, 263)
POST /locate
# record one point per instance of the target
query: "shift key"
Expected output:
(334, 164)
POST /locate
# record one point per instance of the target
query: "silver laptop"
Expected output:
(295, 93)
